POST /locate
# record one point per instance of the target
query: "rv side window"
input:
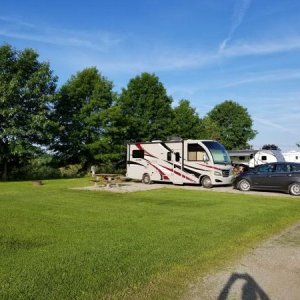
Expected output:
(169, 156)
(138, 154)
(177, 156)
(196, 152)
(263, 157)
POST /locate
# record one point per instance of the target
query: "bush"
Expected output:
(34, 171)
(71, 171)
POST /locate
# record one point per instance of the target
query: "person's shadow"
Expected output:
(250, 290)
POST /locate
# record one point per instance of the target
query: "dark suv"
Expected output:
(283, 176)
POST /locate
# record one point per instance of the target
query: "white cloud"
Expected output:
(94, 40)
(272, 124)
(274, 75)
(263, 47)
(240, 10)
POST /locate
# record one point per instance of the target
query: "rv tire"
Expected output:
(206, 182)
(146, 179)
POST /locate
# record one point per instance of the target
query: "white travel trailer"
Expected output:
(292, 156)
(204, 162)
(266, 156)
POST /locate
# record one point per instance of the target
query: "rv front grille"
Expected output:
(225, 173)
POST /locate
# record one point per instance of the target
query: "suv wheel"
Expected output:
(244, 185)
(295, 189)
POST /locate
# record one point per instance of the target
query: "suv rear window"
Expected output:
(295, 167)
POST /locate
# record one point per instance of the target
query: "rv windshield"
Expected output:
(218, 152)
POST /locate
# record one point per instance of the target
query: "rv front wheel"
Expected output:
(206, 182)
(146, 179)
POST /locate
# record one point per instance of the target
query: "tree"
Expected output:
(235, 124)
(186, 122)
(26, 89)
(80, 111)
(146, 109)
(210, 129)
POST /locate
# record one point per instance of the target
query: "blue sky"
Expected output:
(206, 51)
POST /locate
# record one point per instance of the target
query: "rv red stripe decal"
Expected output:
(159, 170)
(211, 167)
(177, 173)
(139, 146)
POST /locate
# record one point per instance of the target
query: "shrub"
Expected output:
(71, 171)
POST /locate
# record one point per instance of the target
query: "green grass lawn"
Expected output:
(58, 243)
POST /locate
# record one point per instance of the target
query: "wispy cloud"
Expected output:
(274, 75)
(94, 40)
(263, 47)
(273, 125)
(240, 10)
(15, 21)
(126, 58)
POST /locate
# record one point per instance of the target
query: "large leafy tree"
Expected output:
(209, 129)
(235, 124)
(26, 89)
(146, 109)
(186, 122)
(81, 112)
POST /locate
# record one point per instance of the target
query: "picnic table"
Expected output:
(107, 178)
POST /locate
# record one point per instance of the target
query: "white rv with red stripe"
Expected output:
(204, 162)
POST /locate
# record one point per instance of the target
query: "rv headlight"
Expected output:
(218, 173)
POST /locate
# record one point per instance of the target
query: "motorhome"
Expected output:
(266, 156)
(204, 162)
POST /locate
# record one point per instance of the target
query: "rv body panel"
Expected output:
(179, 162)
(292, 156)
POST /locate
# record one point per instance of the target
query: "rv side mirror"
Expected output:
(205, 158)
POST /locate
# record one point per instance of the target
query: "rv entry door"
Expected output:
(176, 176)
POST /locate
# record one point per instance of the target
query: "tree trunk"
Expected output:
(4, 171)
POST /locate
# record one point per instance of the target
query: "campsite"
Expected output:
(149, 150)
(61, 242)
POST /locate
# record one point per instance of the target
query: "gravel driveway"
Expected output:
(138, 186)
(270, 271)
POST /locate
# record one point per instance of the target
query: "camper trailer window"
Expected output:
(169, 156)
(264, 157)
(196, 152)
(177, 156)
(138, 153)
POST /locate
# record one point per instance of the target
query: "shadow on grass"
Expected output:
(249, 291)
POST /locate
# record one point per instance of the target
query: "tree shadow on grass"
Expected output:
(250, 289)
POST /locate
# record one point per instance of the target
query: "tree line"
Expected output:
(84, 122)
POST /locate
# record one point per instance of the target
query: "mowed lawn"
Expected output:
(58, 243)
